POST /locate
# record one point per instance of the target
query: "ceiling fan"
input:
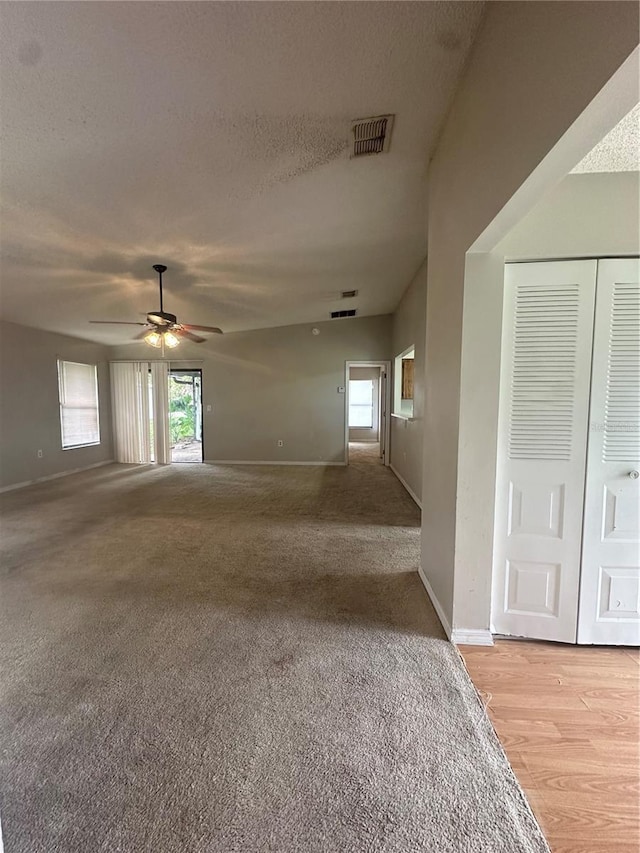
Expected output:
(161, 328)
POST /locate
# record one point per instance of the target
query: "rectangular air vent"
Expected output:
(371, 135)
(336, 314)
(349, 294)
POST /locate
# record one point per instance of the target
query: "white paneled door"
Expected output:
(610, 577)
(565, 570)
(548, 326)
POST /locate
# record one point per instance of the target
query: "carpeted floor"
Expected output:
(365, 451)
(218, 659)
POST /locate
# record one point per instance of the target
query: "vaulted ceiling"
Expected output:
(214, 138)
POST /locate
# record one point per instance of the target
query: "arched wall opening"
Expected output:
(542, 86)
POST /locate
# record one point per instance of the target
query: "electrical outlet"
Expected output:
(209, 408)
(39, 454)
(280, 443)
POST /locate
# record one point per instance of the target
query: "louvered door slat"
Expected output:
(621, 439)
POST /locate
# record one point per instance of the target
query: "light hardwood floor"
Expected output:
(567, 717)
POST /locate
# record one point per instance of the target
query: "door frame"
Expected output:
(384, 408)
(193, 370)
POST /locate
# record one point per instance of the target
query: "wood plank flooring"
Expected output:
(568, 719)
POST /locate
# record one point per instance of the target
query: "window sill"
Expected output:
(403, 417)
(78, 446)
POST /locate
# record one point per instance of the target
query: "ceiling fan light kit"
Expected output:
(170, 340)
(158, 339)
(163, 327)
(153, 338)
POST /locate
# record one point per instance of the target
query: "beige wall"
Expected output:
(586, 214)
(280, 383)
(30, 410)
(409, 323)
(534, 68)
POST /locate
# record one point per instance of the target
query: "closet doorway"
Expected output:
(567, 538)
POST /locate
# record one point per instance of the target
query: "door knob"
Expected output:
(634, 475)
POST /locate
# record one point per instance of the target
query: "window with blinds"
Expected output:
(360, 403)
(78, 390)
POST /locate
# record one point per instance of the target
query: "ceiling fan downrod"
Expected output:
(160, 268)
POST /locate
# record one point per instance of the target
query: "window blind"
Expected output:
(361, 403)
(79, 419)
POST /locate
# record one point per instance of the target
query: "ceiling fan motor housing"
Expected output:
(161, 318)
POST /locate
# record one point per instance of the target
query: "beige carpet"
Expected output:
(209, 660)
(365, 451)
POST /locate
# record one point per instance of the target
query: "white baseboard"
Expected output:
(55, 477)
(436, 604)
(407, 486)
(269, 462)
(458, 636)
(471, 637)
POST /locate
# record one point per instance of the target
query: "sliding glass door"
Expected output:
(185, 415)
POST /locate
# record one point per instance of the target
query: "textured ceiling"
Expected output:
(213, 137)
(619, 151)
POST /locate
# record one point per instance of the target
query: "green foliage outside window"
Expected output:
(182, 411)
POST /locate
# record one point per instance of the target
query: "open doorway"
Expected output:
(366, 409)
(185, 415)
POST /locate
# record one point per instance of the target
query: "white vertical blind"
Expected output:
(79, 418)
(161, 433)
(129, 392)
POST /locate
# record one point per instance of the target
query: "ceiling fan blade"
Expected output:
(183, 333)
(202, 328)
(141, 336)
(118, 322)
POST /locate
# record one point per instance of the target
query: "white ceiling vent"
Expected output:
(371, 135)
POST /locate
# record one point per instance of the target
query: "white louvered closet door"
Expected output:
(610, 582)
(546, 364)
